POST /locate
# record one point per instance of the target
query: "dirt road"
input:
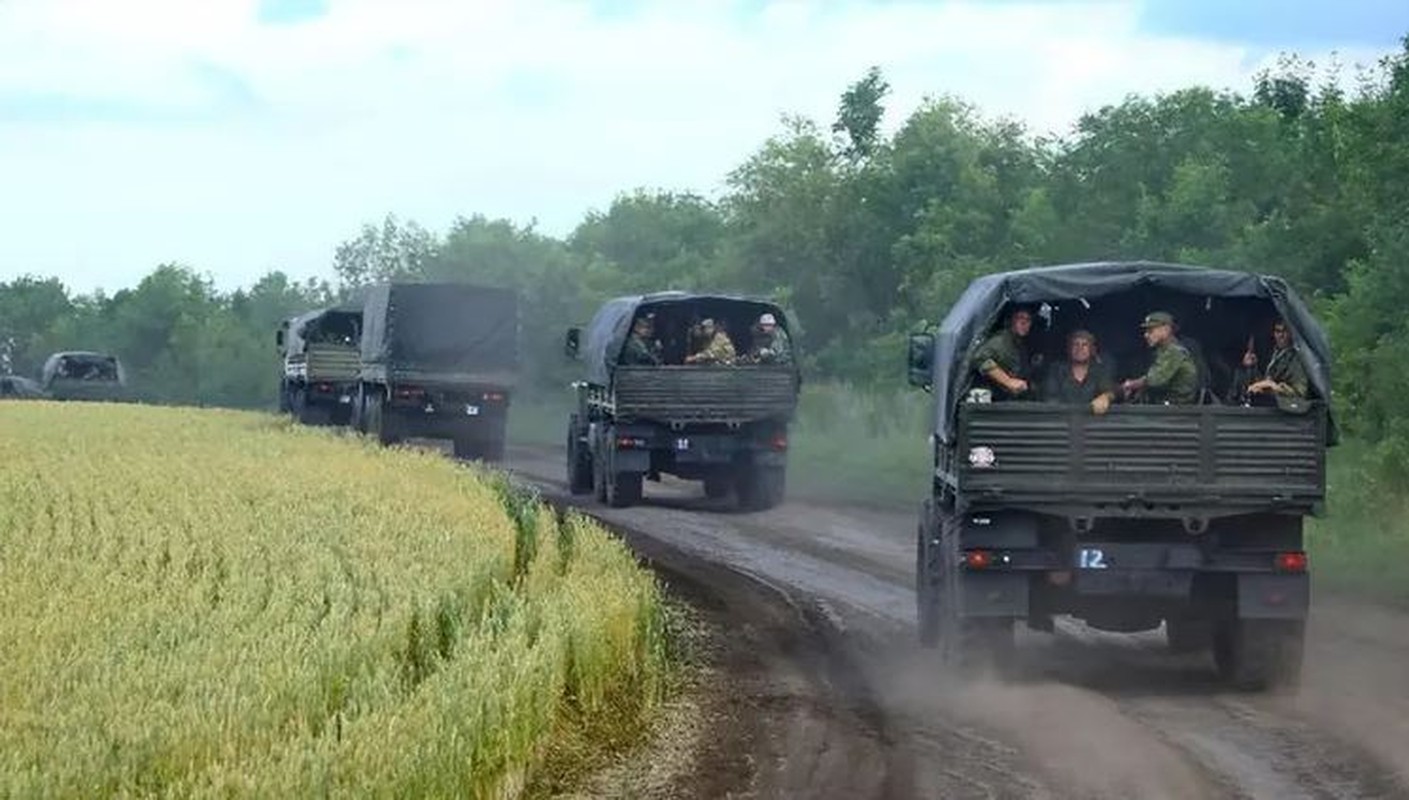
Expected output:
(1091, 714)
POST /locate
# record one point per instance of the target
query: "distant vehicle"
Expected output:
(84, 375)
(438, 361)
(1188, 516)
(320, 361)
(15, 387)
(726, 426)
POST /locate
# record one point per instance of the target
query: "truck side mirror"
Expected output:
(279, 337)
(920, 360)
(572, 342)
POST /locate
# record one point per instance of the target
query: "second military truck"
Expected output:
(438, 361)
(724, 423)
(1187, 515)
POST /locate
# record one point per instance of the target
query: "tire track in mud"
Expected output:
(1091, 714)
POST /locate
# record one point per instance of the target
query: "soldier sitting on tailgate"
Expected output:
(1082, 378)
(770, 343)
(1284, 377)
(715, 347)
(1173, 377)
(642, 348)
(1003, 359)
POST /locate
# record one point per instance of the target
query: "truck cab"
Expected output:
(1184, 515)
(723, 423)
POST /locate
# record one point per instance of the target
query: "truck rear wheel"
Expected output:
(579, 460)
(1188, 634)
(716, 486)
(624, 489)
(1260, 654)
(761, 488)
(970, 645)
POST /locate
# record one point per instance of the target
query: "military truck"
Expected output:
(726, 426)
(1186, 516)
(319, 351)
(84, 375)
(438, 361)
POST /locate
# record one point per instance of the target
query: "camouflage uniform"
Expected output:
(640, 352)
(777, 350)
(1173, 377)
(719, 351)
(1285, 367)
(1004, 350)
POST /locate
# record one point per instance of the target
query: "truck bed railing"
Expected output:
(692, 394)
(1142, 457)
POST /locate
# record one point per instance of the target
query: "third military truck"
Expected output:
(725, 424)
(438, 361)
(1187, 516)
(319, 365)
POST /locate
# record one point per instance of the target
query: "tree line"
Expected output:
(866, 235)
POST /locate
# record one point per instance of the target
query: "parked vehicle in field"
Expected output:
(1186, 514)
(320, 361)
(681, 384)
(438, 361)
(84, 375)
(15, 387)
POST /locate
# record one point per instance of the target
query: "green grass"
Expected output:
(215, 603)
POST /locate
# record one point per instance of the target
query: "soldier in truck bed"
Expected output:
(770, 343)
(715, 346)
(1285, 376)
(1173, 377)
(1081, 379)
(642, 348)
(1003, 359)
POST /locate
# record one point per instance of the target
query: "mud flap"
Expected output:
(994, 594)
(631, 461)
(1263, 596)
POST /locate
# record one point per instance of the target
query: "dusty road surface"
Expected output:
(1089, 715)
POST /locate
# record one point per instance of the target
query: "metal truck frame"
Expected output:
(318, 379)
(1186, 516)
(438, 361)
(110, 386)
(726, 426)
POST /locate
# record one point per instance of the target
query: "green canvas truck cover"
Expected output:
(441, 327)
(977, 311)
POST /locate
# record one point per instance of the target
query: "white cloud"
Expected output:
(431, 109)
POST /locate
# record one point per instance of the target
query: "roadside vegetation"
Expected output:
(216, 603)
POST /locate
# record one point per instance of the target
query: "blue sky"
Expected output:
(239, 136)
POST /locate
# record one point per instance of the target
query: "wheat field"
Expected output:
(202, 603)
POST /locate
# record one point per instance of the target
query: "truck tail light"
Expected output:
(779, 441)
(630, 442)
(977, 559)
(408, 394)
(1291, 562)
(493, 397)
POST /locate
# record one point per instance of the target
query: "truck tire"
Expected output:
(466, 447)
(1188, 634)
(285, 407)
(624, 489)
(761, 488)
(494, 447)
(1260, 654)
(579, 460)
(379, 423)
(970, 646)
(307, 414)
(926, 581)
(717, 486)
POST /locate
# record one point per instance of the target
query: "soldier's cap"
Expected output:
(767, 319)
(1081, 333)
(1154, 319)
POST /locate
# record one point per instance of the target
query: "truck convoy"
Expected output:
(652, 406)
(1182, 514)
(437, 361)
(319, 354)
